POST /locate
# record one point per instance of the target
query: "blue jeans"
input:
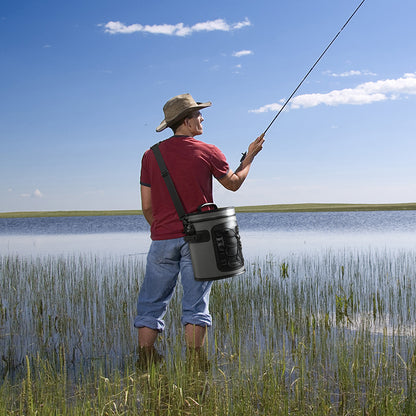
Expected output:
(166, 258)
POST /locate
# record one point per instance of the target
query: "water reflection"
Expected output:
(259, 244)
(261, 233)
(73, 225)
(100, 244)
(363, 221)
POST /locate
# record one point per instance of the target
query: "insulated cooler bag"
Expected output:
(214, 242)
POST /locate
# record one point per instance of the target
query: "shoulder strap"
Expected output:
(168, 180)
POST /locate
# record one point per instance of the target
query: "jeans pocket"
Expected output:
(164, 251)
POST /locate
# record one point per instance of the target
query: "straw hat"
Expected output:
(178, 107)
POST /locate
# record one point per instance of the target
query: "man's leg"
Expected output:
(147, 337)
(197, 359)
(162, 270)
(195, 303)
(195, 335)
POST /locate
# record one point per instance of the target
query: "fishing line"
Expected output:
(313, 66)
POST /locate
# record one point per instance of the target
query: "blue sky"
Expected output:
(82, 86)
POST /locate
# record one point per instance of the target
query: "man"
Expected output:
(191, 164)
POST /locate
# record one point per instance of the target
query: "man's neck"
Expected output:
(183, 131)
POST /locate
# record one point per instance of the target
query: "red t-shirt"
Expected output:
(191, 164)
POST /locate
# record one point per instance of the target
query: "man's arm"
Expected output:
(146, 195)
(233, 180)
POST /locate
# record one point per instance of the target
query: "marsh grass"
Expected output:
(323, 334)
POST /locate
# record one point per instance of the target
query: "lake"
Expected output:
(326, 297)
(261, 233)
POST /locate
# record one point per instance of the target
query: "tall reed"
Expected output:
(324, 333)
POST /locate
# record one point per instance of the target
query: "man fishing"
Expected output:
(192, 164)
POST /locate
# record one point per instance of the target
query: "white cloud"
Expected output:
(351, 73)
(237, 68)
(242, 24)
(178, 29)
(35, 194)
(239, 54)
(268, 107)
(366, 93)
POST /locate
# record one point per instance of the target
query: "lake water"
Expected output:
(317, 249)
(261, 233)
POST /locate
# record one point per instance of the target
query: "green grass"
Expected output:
(307, 207)
(326, 334)
(326, 207)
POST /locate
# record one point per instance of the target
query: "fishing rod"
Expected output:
(312, 68)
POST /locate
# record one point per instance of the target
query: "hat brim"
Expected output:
(164, 124)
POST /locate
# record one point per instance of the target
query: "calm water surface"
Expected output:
(261, 233)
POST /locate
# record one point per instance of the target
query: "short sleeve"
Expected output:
(219, 164)
(145, 177)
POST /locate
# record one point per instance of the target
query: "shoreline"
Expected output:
(305, 207)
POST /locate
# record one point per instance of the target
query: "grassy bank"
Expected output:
(327, 207)
(309, 207)
(328, 334)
